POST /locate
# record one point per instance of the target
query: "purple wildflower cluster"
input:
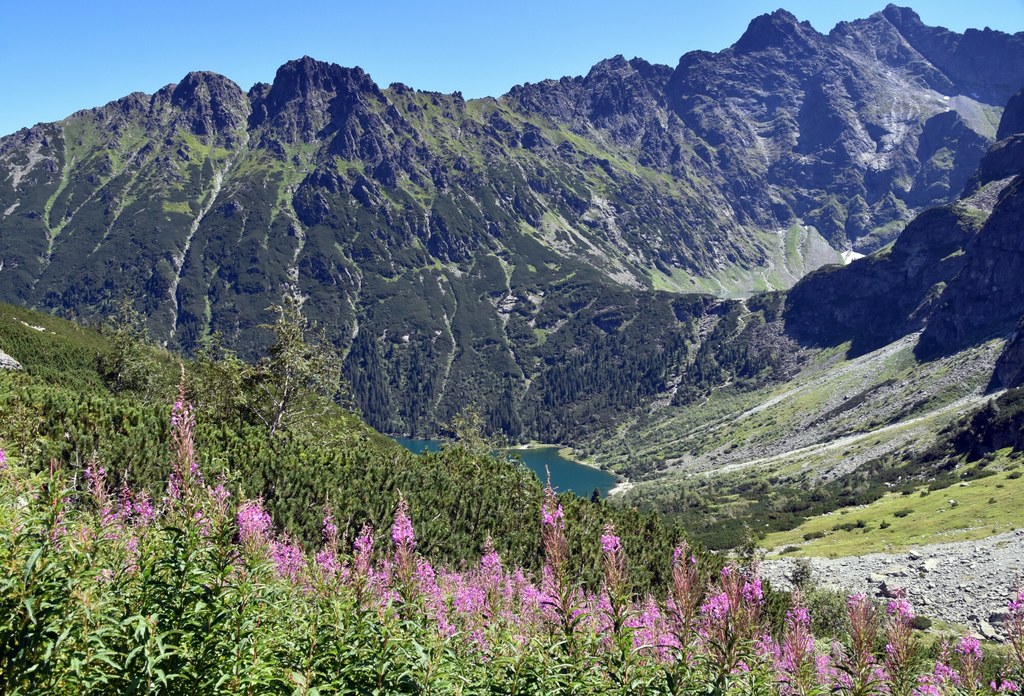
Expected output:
(712, 619)
(254, 523)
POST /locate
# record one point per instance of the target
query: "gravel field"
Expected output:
(967, 583)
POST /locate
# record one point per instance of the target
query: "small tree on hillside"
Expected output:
(300, 366)
(128, 367)
(218, 381)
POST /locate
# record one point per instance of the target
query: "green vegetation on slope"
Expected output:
(329, 460)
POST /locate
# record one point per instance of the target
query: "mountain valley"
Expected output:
(772, 266)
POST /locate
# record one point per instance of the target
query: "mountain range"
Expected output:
(565, 254)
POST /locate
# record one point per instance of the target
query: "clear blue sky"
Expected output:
(58, 56)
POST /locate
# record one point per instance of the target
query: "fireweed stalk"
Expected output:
(559, 596)
(795, 660)
(731, 620)
(404, 538)
(900, 647)
(614, 603)
(685, 598)
(859, 673)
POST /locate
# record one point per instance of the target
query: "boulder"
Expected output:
(988, 632)
(892, 590)
(8, 363)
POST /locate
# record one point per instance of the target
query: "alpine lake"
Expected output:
(566, 474)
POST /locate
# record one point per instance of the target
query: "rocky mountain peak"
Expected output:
(959, 56)
(211, 104)
(307, 94)
(780, 29)
(902, 17)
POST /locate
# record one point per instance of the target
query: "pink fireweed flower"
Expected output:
(796, 662)
(1005, 686)
(552, 515)
(553, 533)
(327, 563)
(220, 494)
(968, 650)
(901, 610)
(614, 559)
(863, 626)
(253, 522)
(1013, 627)
(490, 562)
(716, 606)
(969, 647)
(96, 475)
(142, 508)
(185, 469)
(402, 533)
(899, 647)
(288, 560)
(329, 531)
(686, 594)
(3, 460)
(404, 538)
(362, 549)
(753, 593)
(610, 543)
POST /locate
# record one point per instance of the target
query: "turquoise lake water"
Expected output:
(566, 475)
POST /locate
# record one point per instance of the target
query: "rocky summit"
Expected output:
(509, 252)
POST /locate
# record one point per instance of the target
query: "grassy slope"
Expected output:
(763, 458)
(983, 507)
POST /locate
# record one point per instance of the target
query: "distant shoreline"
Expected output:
(622, 484)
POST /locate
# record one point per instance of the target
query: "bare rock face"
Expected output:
(878, 299)
(211, 105)
(987, 295)
(8, 363)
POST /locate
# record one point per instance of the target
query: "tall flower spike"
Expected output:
(362, 549)
(402, 532)
(552, 531)
(404, 538)
(614, 559)
(185, 468)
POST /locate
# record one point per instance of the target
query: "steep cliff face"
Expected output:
(987, 296)
(954, 273)
(880, 298)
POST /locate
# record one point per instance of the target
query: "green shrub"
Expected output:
(921, 623)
